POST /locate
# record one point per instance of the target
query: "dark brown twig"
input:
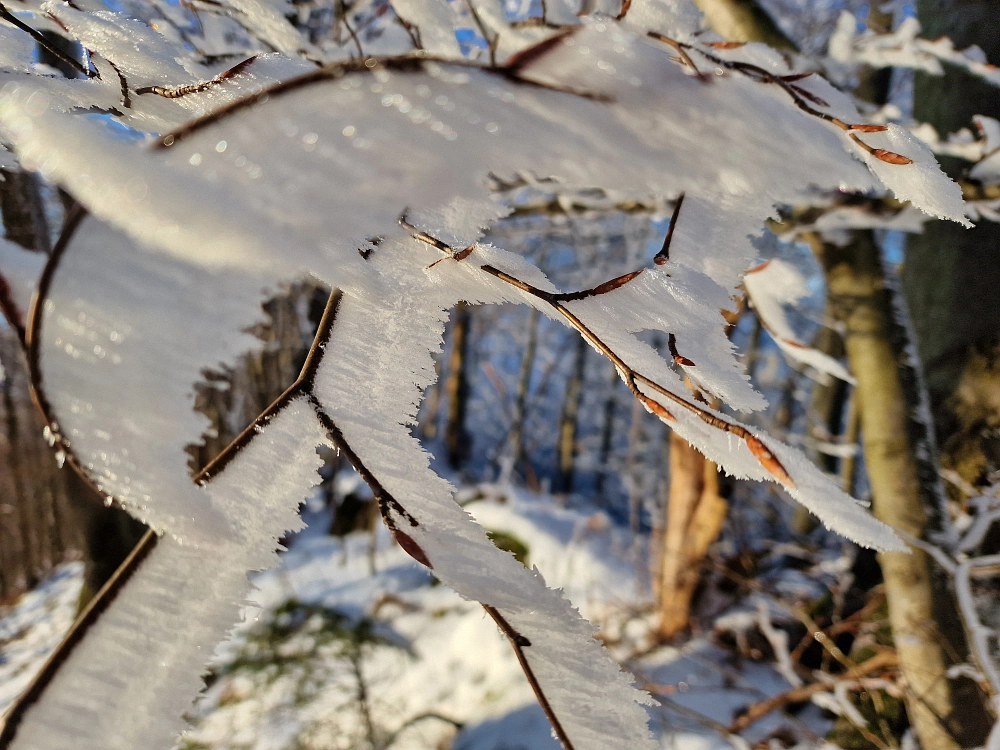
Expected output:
(797, 93)
(768, 460)
(412, 30)
(126, 99)
(519, 643)
(403, 63)
(176, 92)
(74, 218)
(664, 255)
(759, 710)
(681, 50)
(343, 19)
(44, 43)
(91, 613)
(491, 43)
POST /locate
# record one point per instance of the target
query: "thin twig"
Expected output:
(519, 643)
(412, 30)
(44, 43)
(91, 613)
(403, 63)
(768, 460)
(797, 93)
(176, 92)
(664, 255)
(491, 44)
(126, 99)
(32, 342)
(759, 710)
(681, 50)
(354, 37)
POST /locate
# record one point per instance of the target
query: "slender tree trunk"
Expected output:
(456, 388)
(566, 448)
(951, 275)
(607, 433)
(855, 286)
(523, 386)
(43, 492)
(744, 21)
(695, 514)
(825, 414)
(23, 211)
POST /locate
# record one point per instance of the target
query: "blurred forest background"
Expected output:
(523, 405)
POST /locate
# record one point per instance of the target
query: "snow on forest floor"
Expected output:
(32, 629)
(337, 658)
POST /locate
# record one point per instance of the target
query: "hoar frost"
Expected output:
(183, 236)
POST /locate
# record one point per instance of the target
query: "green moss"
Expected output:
(880, 710)
(510, 543)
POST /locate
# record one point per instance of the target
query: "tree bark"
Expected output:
(45, 498)
(456, 389)
(566, 447)
(695, 514)
(744, 21)
(951, 276)
(855, 288)
(523, 386)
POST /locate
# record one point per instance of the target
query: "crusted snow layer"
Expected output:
(370, 386)
(119, 379)
(772, 286)
(922, 182)
(298, 183)
(177, 606)
(20, 269)
(32, 629)
(16, 49)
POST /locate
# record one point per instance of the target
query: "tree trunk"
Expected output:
(23, 211)
(607, 434)
(45, 498)
(855, 280)
(523, 386)
(855, 288)
(744, 21)
(566, 447)
(951, 276)
(695, 514)
(456, 388)
(39, 527)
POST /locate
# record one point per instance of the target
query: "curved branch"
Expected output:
(32, 339)
(512, 71)
(44, 43)
(787, 83)
(90, 615)
(768, 460)
(178, 91)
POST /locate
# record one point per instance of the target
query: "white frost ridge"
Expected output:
(182, 239)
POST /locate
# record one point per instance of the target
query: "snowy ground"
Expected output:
(335, 657)
(32, 629)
